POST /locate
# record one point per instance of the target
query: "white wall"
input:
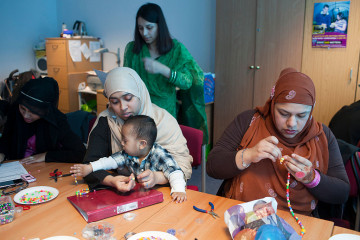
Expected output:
(22, 24)
(191, 22)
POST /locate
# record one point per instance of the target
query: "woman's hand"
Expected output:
(266, 148)
(121, 183)
(155, 67)
(34, 159)
(300, 167)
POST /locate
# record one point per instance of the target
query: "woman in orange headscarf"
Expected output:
(260, 147)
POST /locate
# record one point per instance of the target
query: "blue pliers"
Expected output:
(212, 213)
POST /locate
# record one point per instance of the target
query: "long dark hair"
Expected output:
(153, 13)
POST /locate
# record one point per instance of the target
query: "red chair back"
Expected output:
(194, 138)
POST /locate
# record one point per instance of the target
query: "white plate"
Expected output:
(18, 196)
(61, 238)
(157, 234)
(344, 236)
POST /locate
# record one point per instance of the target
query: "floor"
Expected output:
(212, 184)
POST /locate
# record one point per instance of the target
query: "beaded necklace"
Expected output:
(302, 232)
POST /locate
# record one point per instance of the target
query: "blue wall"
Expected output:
(24, 23)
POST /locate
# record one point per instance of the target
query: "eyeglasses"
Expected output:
(15, 188)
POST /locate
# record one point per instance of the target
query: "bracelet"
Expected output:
(242, 159)
(314, 182)
(172, 76)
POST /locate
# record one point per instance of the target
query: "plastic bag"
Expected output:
(244, 221)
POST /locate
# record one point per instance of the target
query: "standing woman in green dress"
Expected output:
(163, 64)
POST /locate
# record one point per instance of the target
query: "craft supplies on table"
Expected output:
(211, 212)
(36, 195)
(98, 231)
(11, 171)
(82, 192)
(7, 208)
(153, 235)
(59, 238)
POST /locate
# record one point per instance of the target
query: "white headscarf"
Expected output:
(169, 134)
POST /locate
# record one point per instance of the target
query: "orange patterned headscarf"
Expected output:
(266, 177)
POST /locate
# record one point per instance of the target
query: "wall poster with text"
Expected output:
(330, 24)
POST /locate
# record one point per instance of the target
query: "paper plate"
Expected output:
(61, 238)
(36, 193)
(345, 236)
(154, 234)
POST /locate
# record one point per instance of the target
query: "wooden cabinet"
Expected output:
(335, 71)
(255, 40)
(67, 73)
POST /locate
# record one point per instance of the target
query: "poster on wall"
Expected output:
(330, 23)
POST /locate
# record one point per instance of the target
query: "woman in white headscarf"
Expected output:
(129, 96)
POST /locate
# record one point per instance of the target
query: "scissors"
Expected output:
(54, 175)
(211, 212)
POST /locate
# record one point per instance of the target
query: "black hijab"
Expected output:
(41, 96)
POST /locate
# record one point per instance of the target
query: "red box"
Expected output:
(106, 203)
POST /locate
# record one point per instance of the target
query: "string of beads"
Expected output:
(302, 232)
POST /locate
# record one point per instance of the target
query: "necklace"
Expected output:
(302, 232)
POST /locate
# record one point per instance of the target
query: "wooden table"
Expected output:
(58, 217)
(191, 224)
(340, 230)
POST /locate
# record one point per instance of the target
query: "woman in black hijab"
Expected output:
(36, 130)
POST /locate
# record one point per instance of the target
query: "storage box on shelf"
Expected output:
(66, 72)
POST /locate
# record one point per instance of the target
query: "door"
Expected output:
(266, 34)
(235, 46)
(334, 71)
(279, 38)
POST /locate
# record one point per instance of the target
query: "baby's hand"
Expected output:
(81, 170)
(178, 197)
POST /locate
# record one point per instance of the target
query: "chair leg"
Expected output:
(203, 168)
(357, 219)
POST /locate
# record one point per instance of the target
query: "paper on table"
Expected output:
(11, 171)
(74, 49)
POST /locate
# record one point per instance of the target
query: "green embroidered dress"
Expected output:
(189, 79)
